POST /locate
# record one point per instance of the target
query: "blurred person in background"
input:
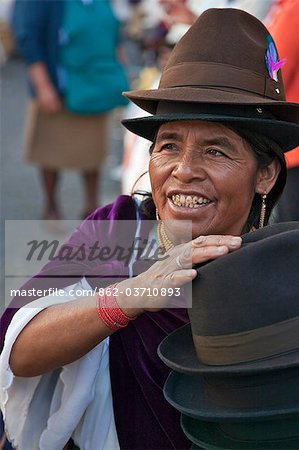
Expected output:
(136, 148)
(186, 11)
(76, 79)
(283, 25)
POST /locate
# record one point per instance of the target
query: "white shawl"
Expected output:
(43, 412)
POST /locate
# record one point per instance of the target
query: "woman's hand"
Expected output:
(49, 100)
(47, 97)
(173, 271)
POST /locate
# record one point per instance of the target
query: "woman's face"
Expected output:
(204, 172)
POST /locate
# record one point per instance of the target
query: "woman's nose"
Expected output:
(188, 168)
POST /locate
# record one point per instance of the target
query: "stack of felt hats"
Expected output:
(235, 375)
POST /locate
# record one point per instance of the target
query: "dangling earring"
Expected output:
(157, 215)
(263, 211)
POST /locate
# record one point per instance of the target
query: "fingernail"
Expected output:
(235, 240)
(222, 249)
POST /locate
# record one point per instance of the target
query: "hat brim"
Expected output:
(209, 435)
(286, 134)
(177, 352)
(147, 99)
(187, 394)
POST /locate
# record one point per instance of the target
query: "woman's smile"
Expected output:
(188, 200)
(187, 205)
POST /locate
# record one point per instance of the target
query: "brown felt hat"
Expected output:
(252, 397)
(224, 69)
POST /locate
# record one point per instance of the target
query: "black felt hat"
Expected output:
(224, 69)
(252, 397)
(264, 435)
(245, 310)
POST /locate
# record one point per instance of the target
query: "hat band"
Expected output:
(244, 111)
(249, 345)
(224, 76)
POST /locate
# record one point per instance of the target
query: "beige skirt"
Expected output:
(65, 140)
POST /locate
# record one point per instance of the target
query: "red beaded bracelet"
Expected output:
(109, 312)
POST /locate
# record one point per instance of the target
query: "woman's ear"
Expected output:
(267, 176)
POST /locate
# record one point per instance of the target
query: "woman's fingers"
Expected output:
(202, 249)
(205, 248)
(49, 100)
(207, 253)
(218, 240)
(180, 277)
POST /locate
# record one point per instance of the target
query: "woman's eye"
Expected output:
(168, 147)
(215, 152)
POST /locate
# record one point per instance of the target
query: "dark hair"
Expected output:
(264, 150)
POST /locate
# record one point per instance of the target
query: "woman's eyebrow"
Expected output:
(169, 135)
(222, 141)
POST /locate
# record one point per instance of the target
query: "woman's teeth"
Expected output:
(189, 201)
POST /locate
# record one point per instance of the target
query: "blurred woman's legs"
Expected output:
(50, 178)
(91, 180)
(50, 181)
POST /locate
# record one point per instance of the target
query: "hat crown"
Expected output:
(230, 46)
(226, 36)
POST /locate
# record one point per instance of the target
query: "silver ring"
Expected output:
(178, 262)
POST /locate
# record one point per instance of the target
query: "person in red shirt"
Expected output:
(283, 24)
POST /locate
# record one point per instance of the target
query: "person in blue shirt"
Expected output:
(76, 79)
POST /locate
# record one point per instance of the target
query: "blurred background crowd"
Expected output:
(40, 176)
